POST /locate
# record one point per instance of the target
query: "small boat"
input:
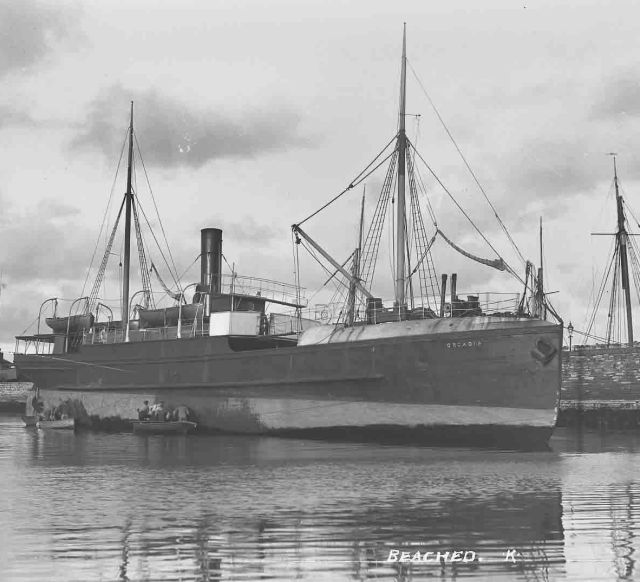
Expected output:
(170, 315)
(71, 324)
(29, 420)
(64, 424)
(163, 426)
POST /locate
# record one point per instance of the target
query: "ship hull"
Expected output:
(468, 381)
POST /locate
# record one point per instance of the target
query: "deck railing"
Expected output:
(488, 304)
(289, 323)
(256, 287)
(169, 332)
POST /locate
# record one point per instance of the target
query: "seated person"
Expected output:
(144, 413)
(182, 413)
(160, 411)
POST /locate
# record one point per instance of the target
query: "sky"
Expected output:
(251, 115)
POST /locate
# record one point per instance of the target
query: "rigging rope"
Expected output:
(103, 265)
(371, 247)
(507, 267)
(106, 213)
(166, 242)
(425, 253)
(357, 180)
(158, 245)
(168, 291)
(600, 293)
(495, 263)
(142, 258)
(427, 276)
(495, 212)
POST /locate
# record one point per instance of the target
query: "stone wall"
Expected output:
(601, 373)
(13, 395)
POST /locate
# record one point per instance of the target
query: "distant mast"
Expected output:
(127, 229)
(402, 149)
(621, 235)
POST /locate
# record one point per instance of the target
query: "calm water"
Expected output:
(123, 507)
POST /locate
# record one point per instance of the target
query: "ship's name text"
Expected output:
(464, 344)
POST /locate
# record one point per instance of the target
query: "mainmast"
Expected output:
(621, 236)
(402, 150)
(127, 229)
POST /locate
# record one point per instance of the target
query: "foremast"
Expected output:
(621, 243)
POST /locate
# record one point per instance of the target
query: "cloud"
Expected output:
(564, 154)
(50, 259)
(620, 97)
(29, 31)
(551, 168)
(56, 248)
(171, 135)
(249, 232)
(11, 116)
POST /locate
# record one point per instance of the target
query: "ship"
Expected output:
(604, 364)
(424, 368)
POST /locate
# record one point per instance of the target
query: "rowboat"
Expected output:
(64, 424)
(163, 427)
(170, 315)
(70, 324)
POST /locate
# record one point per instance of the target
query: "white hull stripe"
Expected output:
(252, 414)
(280, 414)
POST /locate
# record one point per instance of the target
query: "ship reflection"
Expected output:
(350, 544)
(221, 508)
(124, 507)
(610, 524)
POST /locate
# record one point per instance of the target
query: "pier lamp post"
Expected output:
(570, 330)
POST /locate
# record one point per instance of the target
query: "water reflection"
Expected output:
(125, 507)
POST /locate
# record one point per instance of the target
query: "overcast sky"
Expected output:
(250, 115)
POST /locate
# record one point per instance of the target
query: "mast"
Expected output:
(540, 307)
(127, 229)
(621, 236)
(402, 151)
(355, 271)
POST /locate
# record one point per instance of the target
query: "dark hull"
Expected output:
(440, 382)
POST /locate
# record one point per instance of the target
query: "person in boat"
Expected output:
(144, 413)
(181, 413)
(160, 411)
(37, 405)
